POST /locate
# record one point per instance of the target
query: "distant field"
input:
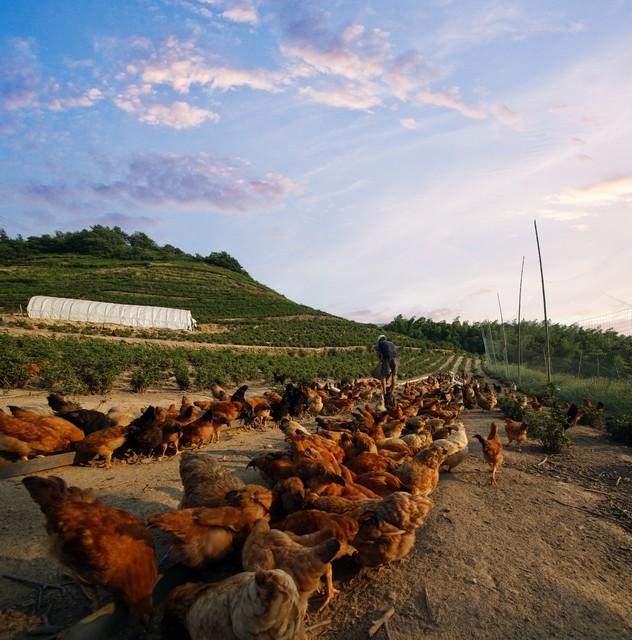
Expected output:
(95, 366)
(615, 394)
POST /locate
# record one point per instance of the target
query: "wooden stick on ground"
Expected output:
(318, 625)
(431, 616)
(381, 621)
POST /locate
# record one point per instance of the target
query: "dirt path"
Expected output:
(543, 555)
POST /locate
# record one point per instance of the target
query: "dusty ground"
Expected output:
(546, 554)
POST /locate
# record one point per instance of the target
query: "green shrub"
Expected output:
(620, 427)
(548, 426)
(143, 378)
(14, 373)
(511, 407)
(181, 374)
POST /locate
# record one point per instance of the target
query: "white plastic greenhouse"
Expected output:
(133, 315)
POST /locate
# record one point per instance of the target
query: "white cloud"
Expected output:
(409, 123)
(356, 97)
(181, 65)
(88, 99)
(607, 192)
(449, 99)
(177, 115)
(504, 114)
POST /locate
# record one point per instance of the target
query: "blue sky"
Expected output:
(365, 158)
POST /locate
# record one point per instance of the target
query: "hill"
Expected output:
(247, 330)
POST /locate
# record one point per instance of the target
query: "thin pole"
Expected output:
(519, 309)
(484, 342)
(492, 346)
(502, 323)
(579, 368)
(547, 357)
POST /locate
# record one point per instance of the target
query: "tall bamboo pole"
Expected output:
(502, 323)
(519, 309)
(546, 318)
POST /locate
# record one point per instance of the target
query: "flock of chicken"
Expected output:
(359, 486)
(94, 433)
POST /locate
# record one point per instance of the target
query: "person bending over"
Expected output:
(389, 363)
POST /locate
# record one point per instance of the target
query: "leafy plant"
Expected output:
(181, 373)
(620, 428)
(548, 426)
(143, 378)
(511, 407)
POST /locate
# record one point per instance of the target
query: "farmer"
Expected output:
(389, 363)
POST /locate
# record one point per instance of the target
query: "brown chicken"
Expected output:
(516, 432)
(421, 474)
(100, 544)
(492, 450)
(59, 425)
(306, 559)
(202, 535)
(387, 527)
(382, 483)
(206, 428)
(257, 606)
(104, 443)
(289, 496)
(27, 438)
(205, 481)
(253, 500)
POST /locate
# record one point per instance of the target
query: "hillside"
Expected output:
(210, 292)
(246, 330)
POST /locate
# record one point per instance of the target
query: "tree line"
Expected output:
(104, 242)
(574, 349)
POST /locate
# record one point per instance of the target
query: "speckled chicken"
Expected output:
(262, 605)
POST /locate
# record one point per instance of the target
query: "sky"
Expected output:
(365, 158)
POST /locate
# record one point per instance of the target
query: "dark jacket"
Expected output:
(386, 350)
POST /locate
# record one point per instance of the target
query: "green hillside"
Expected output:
(211, 293)
(112, 266)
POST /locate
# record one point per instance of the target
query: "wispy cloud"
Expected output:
(19, 76)
(355, 67)
(504, 114)
(608, 192)
(409, 123)
(450, 99)
(177, 115)
(181, 65)
(475, 23)
(235, 10)
(166, 179)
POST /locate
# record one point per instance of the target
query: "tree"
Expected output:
(225, 260)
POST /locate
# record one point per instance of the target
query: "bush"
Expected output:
(511, 407)
(181, 374)
(143, 378)
(14, 373)
(548, 426)
(620, 427)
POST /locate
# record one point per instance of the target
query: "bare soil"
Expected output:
(545, 554)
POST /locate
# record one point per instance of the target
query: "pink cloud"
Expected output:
(506, 116)
(449, 99)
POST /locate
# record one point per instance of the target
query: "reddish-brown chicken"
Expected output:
(492, 450)
(100, 544)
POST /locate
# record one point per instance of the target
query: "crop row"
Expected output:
(312, 332)
(94, 366)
